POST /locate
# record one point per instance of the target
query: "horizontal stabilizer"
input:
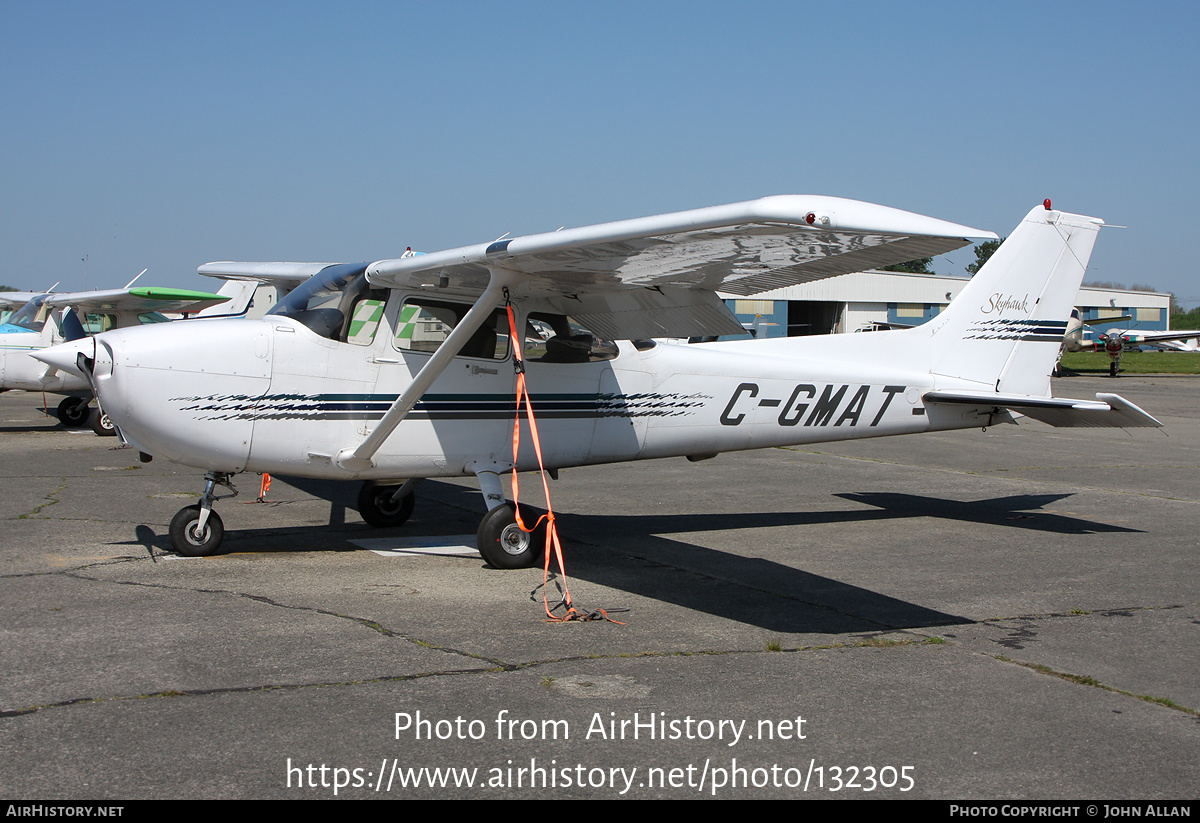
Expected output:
(1107, 410)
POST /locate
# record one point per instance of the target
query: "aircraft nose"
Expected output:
(65, 356)
(162, 384)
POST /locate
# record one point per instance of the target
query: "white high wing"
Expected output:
(402, 369)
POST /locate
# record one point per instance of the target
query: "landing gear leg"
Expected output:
(197, 531)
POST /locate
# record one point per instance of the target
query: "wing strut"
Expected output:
(361, 458)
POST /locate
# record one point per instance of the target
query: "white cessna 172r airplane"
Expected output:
(403, 369)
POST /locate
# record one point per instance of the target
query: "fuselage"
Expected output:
(272, 395)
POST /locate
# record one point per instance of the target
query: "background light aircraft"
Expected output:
(48, 319)
(12, 301)
(253, 290)
(1115, 341)
(403, 369)
(54, 318)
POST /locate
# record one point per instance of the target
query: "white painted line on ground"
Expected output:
(447, 544)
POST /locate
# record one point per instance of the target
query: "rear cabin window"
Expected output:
(423, 325)
(557, 338)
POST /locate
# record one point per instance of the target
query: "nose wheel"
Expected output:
(101, 424)
(197, 531)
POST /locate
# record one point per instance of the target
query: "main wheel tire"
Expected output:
(506, 545)
(185, 538)
(378, 508)
(73, 412)
(101, 424)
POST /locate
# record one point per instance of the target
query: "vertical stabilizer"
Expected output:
(1005, 328)
(239, 293)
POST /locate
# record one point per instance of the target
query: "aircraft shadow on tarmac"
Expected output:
(637, 559)
(50, 423)
(1018, 511)
(780, 597)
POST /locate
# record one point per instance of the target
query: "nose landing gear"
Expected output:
(197, 531)
(101, 423)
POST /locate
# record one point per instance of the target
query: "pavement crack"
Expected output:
(868, 642)
(51, 499)
(1108, 611)
(270, 687)
(1085, 680)
(108, 561)
(367, 623)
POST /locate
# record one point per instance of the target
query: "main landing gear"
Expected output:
(73, 412)
(385, 506)
(501, 542)
(197, 531)
(506, 545)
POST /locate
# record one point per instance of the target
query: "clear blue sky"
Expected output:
(166, 135)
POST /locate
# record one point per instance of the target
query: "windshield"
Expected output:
(322, 301)
(32, 316)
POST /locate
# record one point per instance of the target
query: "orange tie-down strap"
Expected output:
(552, 541)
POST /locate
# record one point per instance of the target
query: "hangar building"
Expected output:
(858, 301)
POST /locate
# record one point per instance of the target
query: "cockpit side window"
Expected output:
(364, 321)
